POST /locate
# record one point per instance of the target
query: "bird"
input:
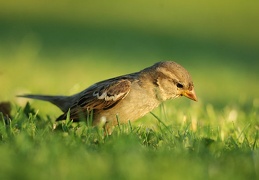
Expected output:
(126, 97)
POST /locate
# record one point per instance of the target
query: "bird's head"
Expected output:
(172, 81)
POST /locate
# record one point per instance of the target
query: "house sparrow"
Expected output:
(127, 97)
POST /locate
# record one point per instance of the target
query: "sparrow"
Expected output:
(127, 97)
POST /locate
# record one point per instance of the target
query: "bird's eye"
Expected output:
(179, 85)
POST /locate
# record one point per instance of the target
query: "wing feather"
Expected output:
(100, 96)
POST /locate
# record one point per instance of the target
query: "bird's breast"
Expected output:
(136, 104)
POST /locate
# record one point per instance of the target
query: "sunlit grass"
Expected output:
(203, 141)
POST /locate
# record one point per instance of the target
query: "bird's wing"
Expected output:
(100, 96)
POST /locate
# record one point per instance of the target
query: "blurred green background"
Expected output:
(62, 47)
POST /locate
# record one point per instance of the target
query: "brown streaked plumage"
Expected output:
(129, 96)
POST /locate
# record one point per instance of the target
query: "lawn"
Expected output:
(66, 47)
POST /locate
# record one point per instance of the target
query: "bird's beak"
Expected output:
(190, 94)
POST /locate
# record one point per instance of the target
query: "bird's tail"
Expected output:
(63, 102)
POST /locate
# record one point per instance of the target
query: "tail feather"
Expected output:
(63, 102)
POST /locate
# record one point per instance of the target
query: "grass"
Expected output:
(220, 145)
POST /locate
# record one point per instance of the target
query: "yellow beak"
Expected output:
(190, 94)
